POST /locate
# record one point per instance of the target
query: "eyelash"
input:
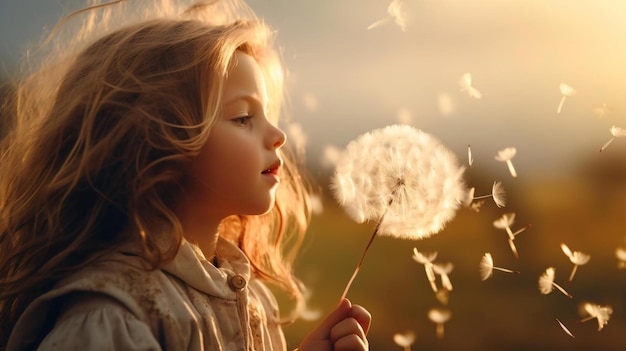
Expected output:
(243, 120)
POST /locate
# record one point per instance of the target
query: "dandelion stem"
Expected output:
(562, 290)
(571, 276)
(606, 144)
(558, 110)
(511, 168)
(505, 270)
(358, 267)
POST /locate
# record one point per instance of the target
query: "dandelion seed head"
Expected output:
(422, 257)
(567, 90)
(317, 207)
(601, 313)
(486, 266)
(620, 253)
(576, 257)
(443, 268)
(402, 175)
(466, 85)
(546, 281)
(618, 132)
(506, 221)
(498, 194)
(506, 154)
(404, 339)
(439, 315)
(397, 12)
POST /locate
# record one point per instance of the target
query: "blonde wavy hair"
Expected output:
(105, 129)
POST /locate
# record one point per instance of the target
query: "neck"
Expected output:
(200, 228)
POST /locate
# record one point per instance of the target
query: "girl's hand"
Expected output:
(344, 329)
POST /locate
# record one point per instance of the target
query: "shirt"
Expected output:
(189, 304)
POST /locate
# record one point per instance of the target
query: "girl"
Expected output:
(140, 206)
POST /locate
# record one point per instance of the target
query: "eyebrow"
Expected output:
(252, 99)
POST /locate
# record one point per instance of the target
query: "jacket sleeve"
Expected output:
(95, 322)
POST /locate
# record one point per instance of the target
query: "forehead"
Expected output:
(244, 80)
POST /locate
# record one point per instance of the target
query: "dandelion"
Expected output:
(427, 261)
(601, 313)
(616, 132)
(404, 340)
(565, 328)
(466, 85)
(402, 178)
(396, 12)
(470, 159)
(577, 258)
(497, 193)
(566, 91)
(506, 155)
(487, 267)
(546, 283)
(620, 253)
(439, 316)
(505, 222)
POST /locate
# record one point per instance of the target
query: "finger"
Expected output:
(339, 314)
(362, 316)
(350, 343)
(346, 328)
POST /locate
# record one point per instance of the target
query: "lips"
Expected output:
(273, 169)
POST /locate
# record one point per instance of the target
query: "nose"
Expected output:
(277, 137)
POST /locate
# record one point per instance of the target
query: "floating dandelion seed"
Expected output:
(577, 258)
(404, 340)
(505, 222)
(616, 132)
(427, 261)
(404, 116)
(443, 269)
(470, 159)
(445, 104)
(601, 313)
(331, 156)
(602, 111)
(506, 155)
(310, 101)
(497, 193)
(439, 316)
(396, 11)
(566, 91)
(487, 267)
(565, 328)
(546, 283)
(620, 253)
(401, 177)
(297, 136)
(317, 206)
(466, 85)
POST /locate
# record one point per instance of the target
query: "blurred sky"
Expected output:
(345, 79)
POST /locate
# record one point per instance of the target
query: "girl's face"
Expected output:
(236, 172)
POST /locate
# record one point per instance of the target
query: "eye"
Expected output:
(242, 121)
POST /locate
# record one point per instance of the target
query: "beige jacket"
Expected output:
(188, 305)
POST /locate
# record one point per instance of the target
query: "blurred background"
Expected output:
(356, 65)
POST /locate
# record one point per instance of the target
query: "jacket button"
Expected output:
(237, 282)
